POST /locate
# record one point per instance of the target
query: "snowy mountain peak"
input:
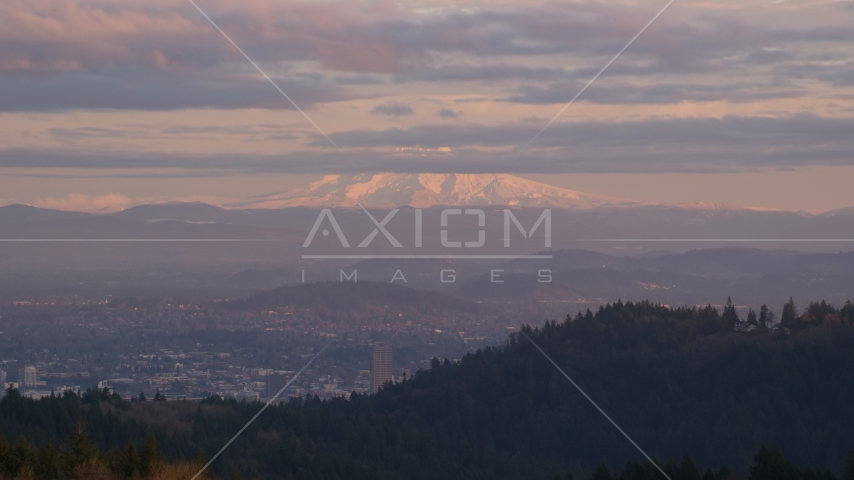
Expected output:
(428, 189)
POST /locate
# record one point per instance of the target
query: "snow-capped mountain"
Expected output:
(427, 189)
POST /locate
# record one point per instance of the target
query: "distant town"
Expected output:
(192, 350)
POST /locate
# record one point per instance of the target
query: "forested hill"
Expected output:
(679, 381)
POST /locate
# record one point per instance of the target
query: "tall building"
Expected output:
(28, 376)
(2, 376)
(275, 382)
(381, 366)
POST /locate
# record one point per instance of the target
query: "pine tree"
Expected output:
(688, 469)
(24, 455)
(130, 464)
(849, 467)
(49, 463)
(150, 457)
(751, 318)
(772, 465)
(764, 316)
(789, 315)
(847, 312)
(602, 473)
(81, 449)
(5, 456)
(730, 316)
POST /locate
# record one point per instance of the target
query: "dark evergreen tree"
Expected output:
(6, 461)
(772, 465)
(150, 457)
(50, 463)
(847, 312)
(25, 455)
(688, 470)
(751, 318)
(848, 474)
(729, 316)
(810, 474)
(789, 315)
(764, 316)
(81, 449)
(130, 462)
(602, 473)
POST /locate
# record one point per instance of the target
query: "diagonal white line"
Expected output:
(597, 75)
(522, 331)
(372, 218)
(275, 85)
(260, 411)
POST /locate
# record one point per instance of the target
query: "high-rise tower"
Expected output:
(381, 366)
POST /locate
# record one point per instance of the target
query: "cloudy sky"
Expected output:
(104, 104)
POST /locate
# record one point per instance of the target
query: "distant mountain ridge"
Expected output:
(428, 189)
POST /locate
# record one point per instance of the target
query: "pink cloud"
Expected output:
(343, 35)
(78, 34)
(76, 202)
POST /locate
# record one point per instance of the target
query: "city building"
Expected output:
(2, 376)
(247, 395)
(28, 376)
(381, 366)
(275, 382)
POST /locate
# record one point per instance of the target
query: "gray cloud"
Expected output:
(151, 89)
(392, 109)
(663, 145)
(618, 92)
(447, 113)
(479, 73)
(179, 61)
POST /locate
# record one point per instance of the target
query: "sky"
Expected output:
(108, 104)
